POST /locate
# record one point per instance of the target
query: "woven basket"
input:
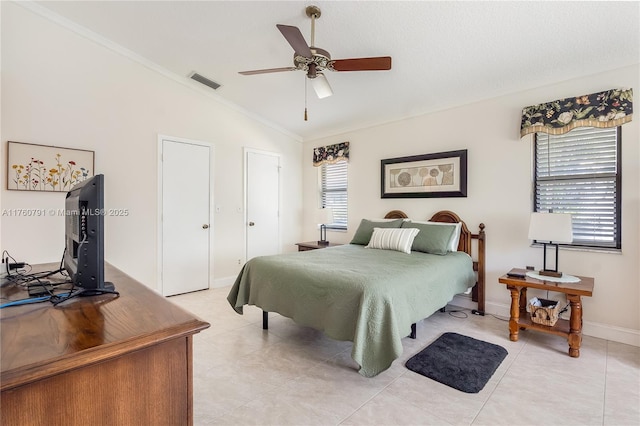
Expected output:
(547, 314)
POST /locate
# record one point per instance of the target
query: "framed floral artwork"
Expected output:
(32, 167)
(442, 174)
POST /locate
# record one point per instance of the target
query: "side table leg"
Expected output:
(575, 325)
(515, 313)
(523, 301)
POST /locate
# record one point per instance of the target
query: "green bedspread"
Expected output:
(367, 296)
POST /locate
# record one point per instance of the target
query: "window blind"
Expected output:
(579, 173)
(333, 192)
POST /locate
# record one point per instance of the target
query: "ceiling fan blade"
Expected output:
(380, 63)
(321, 86)
(265, 71)
(295, 39)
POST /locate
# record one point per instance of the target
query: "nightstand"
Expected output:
(313, 245)
(571, 329)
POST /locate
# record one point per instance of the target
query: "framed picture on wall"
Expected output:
(442, 174)
(45, 168)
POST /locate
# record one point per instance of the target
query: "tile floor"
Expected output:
(291, 375)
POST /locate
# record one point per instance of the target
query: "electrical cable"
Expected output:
(25, 301)
(5, 259)
(61, 267)
(32, 300)
(23, 278)
(464, 314)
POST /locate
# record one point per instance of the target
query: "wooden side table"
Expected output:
(313, 245)
(571, 329)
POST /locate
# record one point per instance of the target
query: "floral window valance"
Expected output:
(331, 154)
(610, 108)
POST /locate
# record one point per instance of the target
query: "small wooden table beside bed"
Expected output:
(372, 291)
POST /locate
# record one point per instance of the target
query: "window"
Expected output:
(333, 192)
(579, 173)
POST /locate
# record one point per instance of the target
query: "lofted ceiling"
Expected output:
(445, 53)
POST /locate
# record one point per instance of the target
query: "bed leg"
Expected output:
(265, 320)
(413, 331)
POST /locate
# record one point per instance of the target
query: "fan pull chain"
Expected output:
(305, 98)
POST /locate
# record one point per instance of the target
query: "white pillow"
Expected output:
(455, 237)
(399, 239)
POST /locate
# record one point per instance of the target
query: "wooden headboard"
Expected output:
(396, 214)
(465, 245)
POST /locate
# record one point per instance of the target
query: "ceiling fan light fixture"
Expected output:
(321, 86)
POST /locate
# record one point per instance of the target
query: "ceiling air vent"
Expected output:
(204, 80)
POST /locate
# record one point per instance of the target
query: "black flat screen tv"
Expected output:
(84, 238)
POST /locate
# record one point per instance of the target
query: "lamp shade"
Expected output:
(324, 216)
(555, 227)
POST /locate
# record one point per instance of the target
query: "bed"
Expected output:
(370, 297)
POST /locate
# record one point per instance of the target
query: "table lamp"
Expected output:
(553, 228)
(324, 216)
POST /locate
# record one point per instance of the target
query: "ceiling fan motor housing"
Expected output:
(319, 61)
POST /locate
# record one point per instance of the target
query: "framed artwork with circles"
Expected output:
(443, 174)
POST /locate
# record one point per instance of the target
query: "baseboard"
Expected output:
(627, 336)
(611, 332)
(223, 282)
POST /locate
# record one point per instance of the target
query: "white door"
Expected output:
(185, 219)
(262, 203)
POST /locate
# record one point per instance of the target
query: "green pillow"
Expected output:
(432, 239)
(365, 230)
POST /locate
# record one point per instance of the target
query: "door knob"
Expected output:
(205, 226)
(251, 223)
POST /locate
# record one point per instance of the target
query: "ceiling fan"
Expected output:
(313, 60)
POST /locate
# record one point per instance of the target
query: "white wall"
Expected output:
(59, 88)
(499, 194)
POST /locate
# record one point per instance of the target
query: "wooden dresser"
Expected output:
(97, 360)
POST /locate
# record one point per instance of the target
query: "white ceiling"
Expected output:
(445, 53)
